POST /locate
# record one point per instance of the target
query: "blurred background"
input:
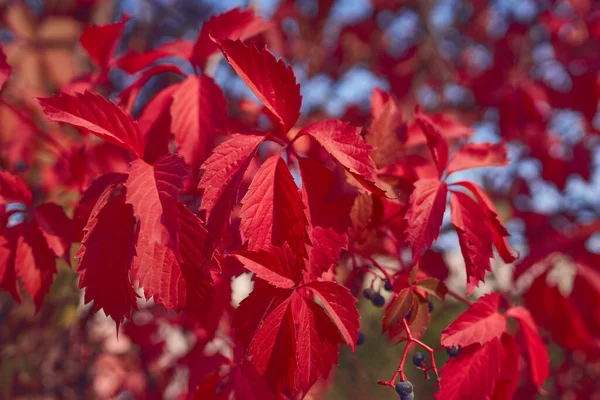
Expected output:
(522, 71)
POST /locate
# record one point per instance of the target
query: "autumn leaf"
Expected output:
(93, 113)
(132, 62)
(272, 212)
(499, 232)
(5, 69)
(278, 266)
(344, 143)
(340, 305)
(327, 213)
(13, 189)
(473, 373)
(234, 24)
(270, 80)
(222, 174)
(539, 363)
(438, 145)
(105, 274)
(479, 324)
(199, 114)
(477, 155)
(474, 237)
(424, 215)
(101, 41)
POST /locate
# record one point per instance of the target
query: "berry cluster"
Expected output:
(376, 298)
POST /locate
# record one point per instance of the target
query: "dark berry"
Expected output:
(404, 388)
(361, 338)
(430, 305)
(369, 293)
(409, 315)
(408, 397)
(379, 300)
(387, 286)
(418, 359)
(453, 352)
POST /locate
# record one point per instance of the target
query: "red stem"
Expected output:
(379, 267)
(400, 370)
(460, 298)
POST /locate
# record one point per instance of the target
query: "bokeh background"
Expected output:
(523, 71)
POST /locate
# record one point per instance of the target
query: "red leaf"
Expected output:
(273, 348)
(133, 62)
(13, 189)
(35, 262)
(539, 363)
(90, 197)
(418, 322)
(278, 266)
(175, 279)
(499, 233)
(509, 376)
(223, 173)
(129, 96)
(424, 215)
(291, 339)
(199, 114)
(435, 141)
(433, 264)
(327, 215)
(56, 227)
(270, 80)
(234, 24)
(254, 308)
(272, 212)
(386, 133)
(5, 69)
(479, 324)
(474, 237)
(101, 41)
(156, 127)
(397, 309)
(341, 306)
(153, 192)
(195, 260)
(344, 143)
(433, 286)
(473, 373)
(8, 272)
(93, 113)
(318, 341)
(477, 155)
(105, 255)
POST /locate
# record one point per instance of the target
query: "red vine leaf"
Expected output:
(477, 155)
(341, 306)
(424, 215)
(234, 24)
(539, 363)
(105, 274)
(223, 173)
(479, 324)
(278, 266)
(473, 373)
(93, 113)
(272, 212)
(344, 143)
(199, 114)
(270, 80)
(474, 237)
